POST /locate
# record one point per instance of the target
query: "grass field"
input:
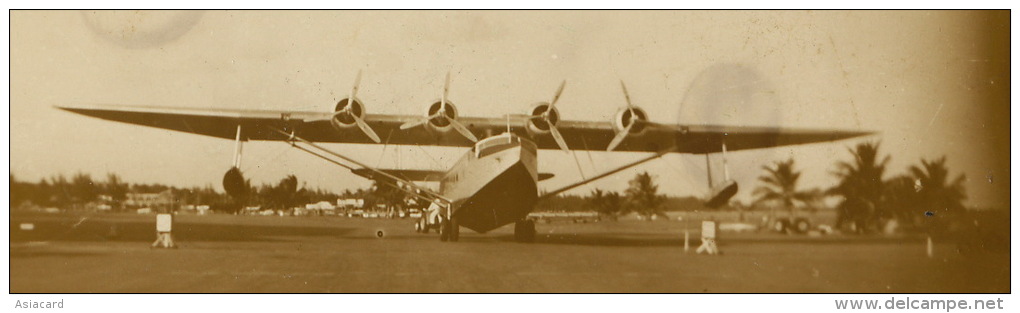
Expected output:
(110, 253)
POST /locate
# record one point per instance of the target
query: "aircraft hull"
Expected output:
(500, 188)
(507, 199)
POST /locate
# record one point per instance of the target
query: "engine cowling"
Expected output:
(441, 121)
(623, 118)
(538, 123)
(345, 119)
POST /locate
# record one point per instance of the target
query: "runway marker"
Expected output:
(164, 223)
(708, 238)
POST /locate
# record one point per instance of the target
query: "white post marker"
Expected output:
(687, 240)
(708, 238)
(687, 234)
(930, 248)
(164, 224)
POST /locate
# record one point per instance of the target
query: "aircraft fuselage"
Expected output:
(494, 184)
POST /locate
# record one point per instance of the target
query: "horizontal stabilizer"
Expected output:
(418, 175)
(411, 175)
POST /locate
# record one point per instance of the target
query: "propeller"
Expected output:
(350, 111)
(632, 120)
(552, 126)
(441, 113)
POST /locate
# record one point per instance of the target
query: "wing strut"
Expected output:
(387, 183)
(237, 148)
(611, 172)
(725, 166)
(294, 140)
(708, 166)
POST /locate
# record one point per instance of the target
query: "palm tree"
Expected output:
(861, 187)
(116, 189)
(901, 200)
(283, 195)
(390, 195)
(18, 193)
(643, 195)
(83, 189)
(780, 184)
(936, 194)
(608, 204)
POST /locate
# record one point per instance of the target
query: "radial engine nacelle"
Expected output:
(438, 118)
(629, 121)
(539, 125)
(627, 116)
(345, 111)
(350, 112)
(442, 115)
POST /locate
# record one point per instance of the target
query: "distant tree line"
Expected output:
(615, 203)
(60, 191)
(81, 189)
(641, 197)
(926, 196)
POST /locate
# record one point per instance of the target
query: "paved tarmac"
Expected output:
(110, 253)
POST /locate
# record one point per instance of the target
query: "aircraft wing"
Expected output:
(697, 139)
(579, 135)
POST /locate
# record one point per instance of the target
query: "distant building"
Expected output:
(351, 203)
(161, 200)
(103, 202)
(199, 209)
(322, 205)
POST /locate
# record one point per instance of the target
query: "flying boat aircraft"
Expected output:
(495, 182)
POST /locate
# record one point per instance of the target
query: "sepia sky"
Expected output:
(932, 83)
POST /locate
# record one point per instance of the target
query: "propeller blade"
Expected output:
(412, 124)
(463, 130)
(354, 90)
(365, 128)
(446, 92)
(556, 97)
(626, 94)
(619, 137)
(559, 138)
